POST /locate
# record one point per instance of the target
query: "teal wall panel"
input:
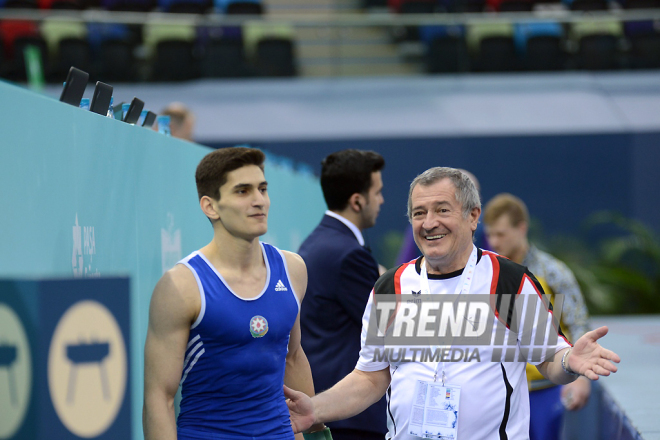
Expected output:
(87, 196)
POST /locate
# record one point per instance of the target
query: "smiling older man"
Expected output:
(477, 398)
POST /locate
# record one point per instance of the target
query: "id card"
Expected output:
(434, 413)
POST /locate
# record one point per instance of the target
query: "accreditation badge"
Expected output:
(434, 413)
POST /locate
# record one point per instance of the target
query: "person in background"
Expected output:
(224, 322)
(182, 121)
(342, 272)
(506, 221)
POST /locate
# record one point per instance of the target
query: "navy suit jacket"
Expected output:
(341, 275)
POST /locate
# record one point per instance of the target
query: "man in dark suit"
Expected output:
(341, 274)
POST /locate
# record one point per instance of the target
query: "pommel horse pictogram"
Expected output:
(91, 353)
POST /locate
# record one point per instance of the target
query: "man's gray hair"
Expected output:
(466, 193)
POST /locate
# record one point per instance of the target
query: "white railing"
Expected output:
(334, 20)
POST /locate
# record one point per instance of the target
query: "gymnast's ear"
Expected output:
(209, 208)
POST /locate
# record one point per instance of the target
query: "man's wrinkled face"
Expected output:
(440, 230)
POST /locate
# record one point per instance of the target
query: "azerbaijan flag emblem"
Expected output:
(258, 326)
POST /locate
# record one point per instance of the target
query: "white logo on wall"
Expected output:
(15, 372)
(170, 244)
(84, 249)
(87, 369)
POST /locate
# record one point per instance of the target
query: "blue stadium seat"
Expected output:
(21, 4)
(496, 54)
(516, 6)
(129, 5)
(174, 60)
(71, 52)
(598, 44)
(641, 4)
(115, 61)
(526, 30)
(223, 5)
(185, 6)
(224, 58)
(275, 57)
(645, 51)
(447, 54)
(245, 8)
(97, 33)
(428, 34)
(589, 5)
(544, 53)
(598, 52)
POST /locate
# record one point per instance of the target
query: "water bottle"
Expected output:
(163, 124)
(143, 114)
(111, 111)
(84, 104)
(124, 110)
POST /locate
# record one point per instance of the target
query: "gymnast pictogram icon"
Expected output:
(83, 354)
(8, 355)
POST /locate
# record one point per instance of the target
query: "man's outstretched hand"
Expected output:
(589, 358)
(301, 409)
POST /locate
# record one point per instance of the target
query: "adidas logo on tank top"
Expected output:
(280, 287)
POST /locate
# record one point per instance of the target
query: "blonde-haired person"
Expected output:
(506, 220)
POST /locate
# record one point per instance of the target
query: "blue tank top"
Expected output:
(233, 371)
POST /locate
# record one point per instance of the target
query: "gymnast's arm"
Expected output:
(175, 304)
